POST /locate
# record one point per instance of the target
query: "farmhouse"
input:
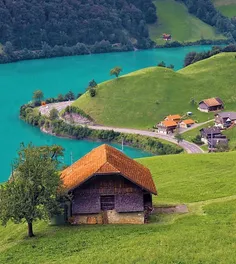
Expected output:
(166, 36)
(210, 133)
(109, 187)
(225, 119)
(187, 123)
(175, 118)
(210, 105)
(213, 137)
(167, 127)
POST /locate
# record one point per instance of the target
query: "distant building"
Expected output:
(109, 187)
(167, 127)
(166, 37)
(213, 137)
(175, 118)
(217, 142)
(186, 123)
(225, 119)
(210, 105)
(210, 132)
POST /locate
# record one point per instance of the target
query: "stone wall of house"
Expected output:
(110, 217)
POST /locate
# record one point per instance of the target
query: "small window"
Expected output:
(107, 202)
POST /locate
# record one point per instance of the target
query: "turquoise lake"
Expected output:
(59, 75)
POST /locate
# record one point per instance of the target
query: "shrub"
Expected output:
(53, 114)
(92, 92)
(197, 140)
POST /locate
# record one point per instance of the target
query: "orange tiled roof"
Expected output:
(173, 117)
(106, 159)
(170, 123)
(188, 121)
(212, 102)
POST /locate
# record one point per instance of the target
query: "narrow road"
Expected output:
(187, 146)
(195, 126)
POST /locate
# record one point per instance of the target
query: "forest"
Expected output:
(31, 29)
(30, 24)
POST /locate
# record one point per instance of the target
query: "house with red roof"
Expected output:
(108, 188)
(167, 126)
(211, 105)
(187, 123)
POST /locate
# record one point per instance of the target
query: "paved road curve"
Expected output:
(188, 146)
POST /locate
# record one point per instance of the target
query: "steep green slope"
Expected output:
(143, 98)
(226, 7)
(208, 229)
(174, 19)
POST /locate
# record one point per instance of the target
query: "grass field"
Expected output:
(231, 135)
(226, 7)
(145, 97)
(205, 235)
(174, 19)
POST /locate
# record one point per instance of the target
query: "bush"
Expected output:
(197, 140)
(92, 92)
(53, 114)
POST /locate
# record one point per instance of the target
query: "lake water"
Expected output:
(59, 75)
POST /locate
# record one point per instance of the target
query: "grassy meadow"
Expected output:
(174, 19)
(226, 7)
(143, 98)
(231, 135)
(205, 235)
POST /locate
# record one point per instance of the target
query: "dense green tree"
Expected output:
(161, 64)
(38, 95)
(8, 48)
(178, 137)
(93, 83)
(34, 190)
(60, 98)
(70, 96)
(92, 92)
(54, 114)
(116, 71)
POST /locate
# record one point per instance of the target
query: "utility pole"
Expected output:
(211, 141)
(71, 158)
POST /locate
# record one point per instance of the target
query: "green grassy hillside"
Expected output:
(207, 233)
(226, 7)
(143, 98)
(174, 19)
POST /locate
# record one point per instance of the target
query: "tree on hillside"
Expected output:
(70, 96)
(34, 190)
(93, 83)
(54, 114)
(161, 64)
(38, 95)
(116, 71)
(60, 98)
(8, 48)
(178, 137)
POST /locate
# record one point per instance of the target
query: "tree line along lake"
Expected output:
(59, 75)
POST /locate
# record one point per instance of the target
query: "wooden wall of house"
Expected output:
(128, 196)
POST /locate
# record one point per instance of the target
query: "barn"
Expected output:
(107, 187)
